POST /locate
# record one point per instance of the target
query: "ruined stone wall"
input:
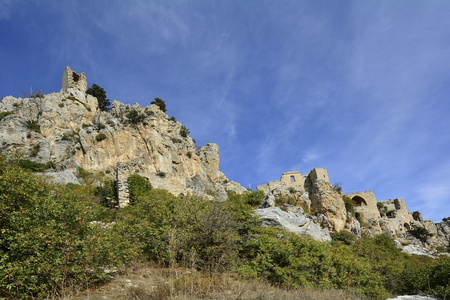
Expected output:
(366, 205)
(319, 174)
(123, 194)
(73, 80)
(292, 179)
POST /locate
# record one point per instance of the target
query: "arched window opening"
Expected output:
(359, 201)
(292, 179)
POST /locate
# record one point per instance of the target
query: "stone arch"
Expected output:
(292, 178)
(360, 201)
(407, 227)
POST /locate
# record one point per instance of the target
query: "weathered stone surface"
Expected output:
(325, 200)
(416, 250)
(75, 133)
(63, 177)
(292, 222)
(269, 201)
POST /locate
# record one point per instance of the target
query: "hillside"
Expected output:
(62, 229)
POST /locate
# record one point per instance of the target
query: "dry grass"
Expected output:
(152, 282)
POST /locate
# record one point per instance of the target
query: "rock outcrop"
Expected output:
(68, 129)
(324, 206)
(294, 222)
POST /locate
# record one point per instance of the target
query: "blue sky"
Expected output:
(358, 87)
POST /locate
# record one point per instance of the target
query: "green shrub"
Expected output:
(189, 154)
(254, 198)
(337, 187)
(344, 237)
(100, 126)
(161, 174)
(134, 117)
(160, 103)
(47, 241)
(5, 113)
(34, 126)
(107, 192)
(349, 204)
(184, 132)
(99, 93)
(84, 125)
(31, 165)
(290, 261)
(138, 186)
(175, 140)
(420, 233)
(100, 137)
(69, 136)
(172, 119)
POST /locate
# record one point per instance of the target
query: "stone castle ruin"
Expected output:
(75, 134)
(322, 201)
(73, 80)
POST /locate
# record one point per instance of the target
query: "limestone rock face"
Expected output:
(72, 132)
(16, 136)
(325, 200)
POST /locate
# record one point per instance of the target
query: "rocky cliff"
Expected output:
(68, 129)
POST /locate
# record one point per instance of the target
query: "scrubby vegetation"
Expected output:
(134, 117)
(55, 238)
(5, 113)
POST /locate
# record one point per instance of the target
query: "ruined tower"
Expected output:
(73, 80)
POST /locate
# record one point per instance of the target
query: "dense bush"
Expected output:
(54, 237)
(100, 137)
(47, 241)
(134, 117)
(254, 198)
(98, 92)
(420, 233)
(138, 187)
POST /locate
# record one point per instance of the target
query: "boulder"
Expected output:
(292, 222)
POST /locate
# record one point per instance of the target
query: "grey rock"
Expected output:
(63, 177)
(292, 222)
(269, 201)
(397, 244)
(416, 250)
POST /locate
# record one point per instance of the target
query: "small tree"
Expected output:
(420, 233)
(160, 103)
(99, 93)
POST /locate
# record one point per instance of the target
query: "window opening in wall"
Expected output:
(75, 76)
(292, 179)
